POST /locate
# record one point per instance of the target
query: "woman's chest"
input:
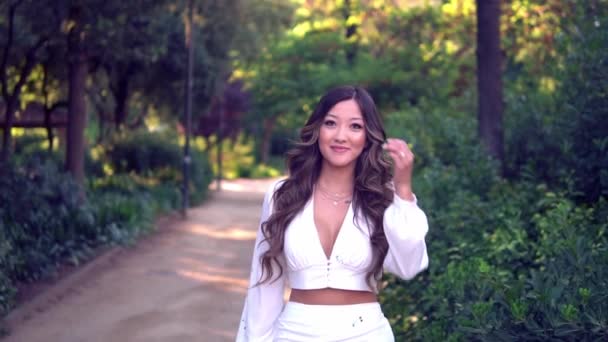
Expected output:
(303, 247)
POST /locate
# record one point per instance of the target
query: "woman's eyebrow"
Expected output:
(351, 119)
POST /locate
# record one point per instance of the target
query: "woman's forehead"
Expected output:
(348, 109)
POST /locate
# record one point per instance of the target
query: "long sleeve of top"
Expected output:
(264, 302)
(405, 227)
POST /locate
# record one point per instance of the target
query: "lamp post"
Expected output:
(188, 109)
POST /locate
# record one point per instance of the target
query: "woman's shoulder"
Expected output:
(276, 184)
(273, 187)
(270, 194)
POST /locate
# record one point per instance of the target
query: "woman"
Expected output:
(332, 227)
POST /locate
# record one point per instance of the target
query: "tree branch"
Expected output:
(9, 42)
(58, 104)
(30, 62)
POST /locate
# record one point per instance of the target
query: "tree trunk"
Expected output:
(121, 95)
(489, 78)
(266, 138)
(9, 102)
(9, 117)
(49, 128)
(75, 147)
(47, 110)
(76, 118)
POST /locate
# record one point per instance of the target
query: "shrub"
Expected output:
(30, 147)
(7, 288)
(123, 217)
(157, 158)
(238, 158)
(44, 219)
(560, 138)
(506, 268)
(264, 171)
(142, 152)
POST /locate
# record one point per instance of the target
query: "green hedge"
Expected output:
(561, 137)
(46, 222)
(158, 158)
(500, 273)
(511, 260)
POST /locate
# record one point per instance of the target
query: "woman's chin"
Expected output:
(340, 163)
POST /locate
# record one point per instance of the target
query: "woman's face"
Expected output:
(342, 134)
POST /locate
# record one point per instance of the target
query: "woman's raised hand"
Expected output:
(403, 166)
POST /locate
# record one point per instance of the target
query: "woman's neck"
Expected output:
(337, 180)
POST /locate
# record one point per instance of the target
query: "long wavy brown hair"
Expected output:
(372, 192)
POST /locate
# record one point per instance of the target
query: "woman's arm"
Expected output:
(264, 302)
(405, 227)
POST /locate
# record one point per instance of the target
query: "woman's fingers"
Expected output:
(399, 151)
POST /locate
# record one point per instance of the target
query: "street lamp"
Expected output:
(188, 106)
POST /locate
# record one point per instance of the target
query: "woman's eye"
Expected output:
(356, 126)
(329, 123)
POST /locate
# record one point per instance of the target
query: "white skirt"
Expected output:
(356, 322)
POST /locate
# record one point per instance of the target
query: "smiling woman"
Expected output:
(332, 227)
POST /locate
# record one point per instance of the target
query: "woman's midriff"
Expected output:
(329, 296)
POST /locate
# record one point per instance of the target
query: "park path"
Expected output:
(185, 282)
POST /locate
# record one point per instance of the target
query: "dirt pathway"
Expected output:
(185, 282)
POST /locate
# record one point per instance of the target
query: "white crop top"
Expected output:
(305, 265)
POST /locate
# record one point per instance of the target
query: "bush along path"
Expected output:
(185, 282)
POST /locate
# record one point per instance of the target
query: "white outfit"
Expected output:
(306, 267)
(357, 322)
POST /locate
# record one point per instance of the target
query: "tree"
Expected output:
(77, 111)
(22, 42)
(136, 41)
(489, 77)
(90, 37)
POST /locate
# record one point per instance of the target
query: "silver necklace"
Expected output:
(335, 198)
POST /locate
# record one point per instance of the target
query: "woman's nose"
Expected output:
(340, 135)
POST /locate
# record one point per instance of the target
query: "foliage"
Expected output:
(44, 219)
(141, 152)
(238, 160)
(403, 57)
(156, 159)
(508, 262)
(557, 135)
(263, 171)
(521, 258)
(124, 216)
(7, 290)
(33, 146)
(43, 225)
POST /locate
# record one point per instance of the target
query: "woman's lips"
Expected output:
(339, 149)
